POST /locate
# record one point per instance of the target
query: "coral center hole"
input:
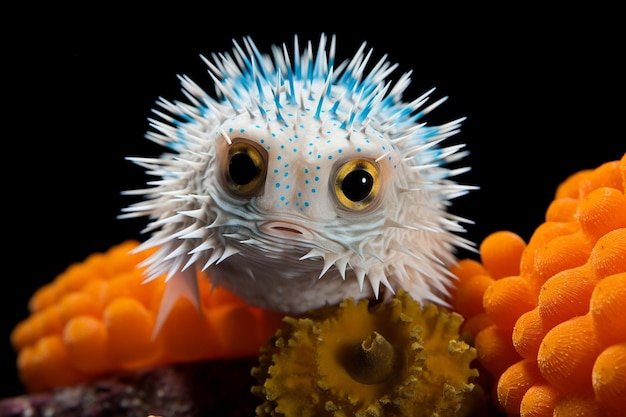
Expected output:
(373, 361)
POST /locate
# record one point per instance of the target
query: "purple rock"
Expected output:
(212, 388)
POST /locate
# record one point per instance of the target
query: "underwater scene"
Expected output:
(310, 223)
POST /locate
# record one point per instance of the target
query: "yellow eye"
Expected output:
(246, 168)
(357, 183)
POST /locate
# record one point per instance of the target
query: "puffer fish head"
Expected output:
(302, 182)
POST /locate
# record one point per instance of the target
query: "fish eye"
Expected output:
(245, 169)
(356, 184)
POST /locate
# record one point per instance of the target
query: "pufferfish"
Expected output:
(300, 182)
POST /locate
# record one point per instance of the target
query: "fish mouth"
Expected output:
(286, 230)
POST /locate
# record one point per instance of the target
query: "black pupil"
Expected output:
(357, 185)
(242, 169)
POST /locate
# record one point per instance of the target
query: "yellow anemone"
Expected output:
(359, 359)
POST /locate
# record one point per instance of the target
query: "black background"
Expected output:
(543, 92)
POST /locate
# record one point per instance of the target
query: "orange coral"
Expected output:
(98, 316)
(550, 322)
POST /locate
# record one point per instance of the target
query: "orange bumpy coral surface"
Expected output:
(97, 317)
(548, 318)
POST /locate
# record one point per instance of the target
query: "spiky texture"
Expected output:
(295, 242)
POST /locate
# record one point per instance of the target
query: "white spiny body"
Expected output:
(301, 184)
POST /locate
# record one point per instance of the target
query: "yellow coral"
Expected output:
(552, 330)
(98, 317)
(355, 359)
